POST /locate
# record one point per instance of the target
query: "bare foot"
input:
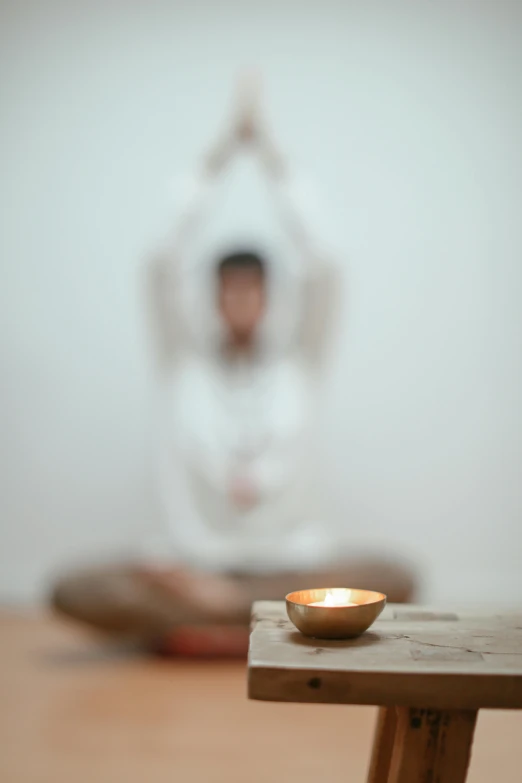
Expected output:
(206, 642)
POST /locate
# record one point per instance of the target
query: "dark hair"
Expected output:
(243, 259)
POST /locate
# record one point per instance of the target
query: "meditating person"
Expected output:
(241, 359)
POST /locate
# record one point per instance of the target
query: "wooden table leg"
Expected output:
(431, 746)
(383, 745)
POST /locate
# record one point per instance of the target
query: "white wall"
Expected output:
(408, 115)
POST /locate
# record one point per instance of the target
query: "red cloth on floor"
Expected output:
(206, 642)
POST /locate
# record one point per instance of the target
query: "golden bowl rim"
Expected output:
(378, 599)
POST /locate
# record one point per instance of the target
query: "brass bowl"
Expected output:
(334, 622)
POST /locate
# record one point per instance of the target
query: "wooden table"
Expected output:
(429, 671)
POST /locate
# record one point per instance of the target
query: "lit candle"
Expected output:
(338, 598)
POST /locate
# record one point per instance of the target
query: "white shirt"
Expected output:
(254, 416)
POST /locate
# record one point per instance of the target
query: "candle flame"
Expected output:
(331, 600)
(341, 596)
(337, 597)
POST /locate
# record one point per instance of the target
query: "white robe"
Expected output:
(255, 415)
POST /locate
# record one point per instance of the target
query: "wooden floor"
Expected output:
(68, 715)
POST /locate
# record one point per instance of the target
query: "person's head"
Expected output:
(241, 294)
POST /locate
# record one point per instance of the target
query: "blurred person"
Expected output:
(238, 474)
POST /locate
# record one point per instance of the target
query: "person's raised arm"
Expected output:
(321, 281)
(164, 282)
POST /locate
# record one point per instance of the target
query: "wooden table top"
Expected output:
(412, 656)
